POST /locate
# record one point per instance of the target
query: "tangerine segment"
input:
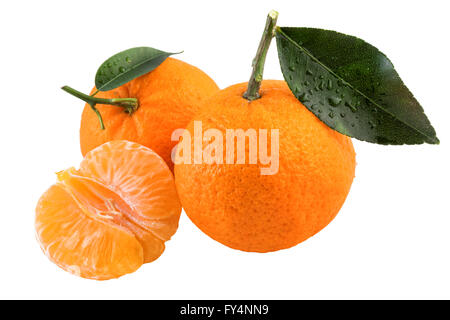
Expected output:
(110, 216)
(81, 245)
(149, 189)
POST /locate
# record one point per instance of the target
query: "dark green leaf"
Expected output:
(351, 86)
(128, 65)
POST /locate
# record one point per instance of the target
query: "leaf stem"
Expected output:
(256, 77)
(129, 104)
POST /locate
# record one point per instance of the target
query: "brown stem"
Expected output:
(256, 77)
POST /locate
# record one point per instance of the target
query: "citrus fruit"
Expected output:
(110, 216)
(240, 207)
(168, 98)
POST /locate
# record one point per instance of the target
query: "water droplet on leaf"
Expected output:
(330, 85)
(303, 97)
(334, 101)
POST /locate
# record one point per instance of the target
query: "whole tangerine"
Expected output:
(243, 209)
(168, 97)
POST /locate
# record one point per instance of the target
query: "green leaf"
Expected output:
(351, 86)
(128, 65)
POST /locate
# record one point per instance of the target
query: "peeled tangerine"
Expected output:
(110, 216)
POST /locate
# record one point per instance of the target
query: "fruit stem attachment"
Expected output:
(129, 104)
(256, 77)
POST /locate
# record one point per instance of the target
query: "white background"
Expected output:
(391, 238)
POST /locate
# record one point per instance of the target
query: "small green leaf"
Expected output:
(128, 65)
(351, 86)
